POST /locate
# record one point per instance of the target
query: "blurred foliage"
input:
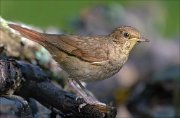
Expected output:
(59, 13)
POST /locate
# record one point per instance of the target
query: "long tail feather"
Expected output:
(27, 33)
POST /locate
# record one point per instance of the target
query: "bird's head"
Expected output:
(127, 37)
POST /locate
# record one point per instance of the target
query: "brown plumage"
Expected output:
(87, 58)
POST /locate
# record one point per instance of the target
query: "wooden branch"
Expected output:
(14, 107)
(30, 81)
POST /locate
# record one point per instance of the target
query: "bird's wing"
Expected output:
(91, 49)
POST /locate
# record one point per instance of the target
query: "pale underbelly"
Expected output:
(85, 71)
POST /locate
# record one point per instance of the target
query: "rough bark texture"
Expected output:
(29, 81)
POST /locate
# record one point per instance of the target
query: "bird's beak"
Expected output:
(142, 39)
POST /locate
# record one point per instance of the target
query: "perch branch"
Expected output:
(33, 82)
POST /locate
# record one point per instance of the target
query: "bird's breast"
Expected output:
(87, 71)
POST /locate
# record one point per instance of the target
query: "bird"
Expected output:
(87, 58)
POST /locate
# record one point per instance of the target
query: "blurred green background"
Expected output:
(45, 13)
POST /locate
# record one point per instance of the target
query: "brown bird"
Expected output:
(87, 58)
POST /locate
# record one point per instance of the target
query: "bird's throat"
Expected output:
(128, 46)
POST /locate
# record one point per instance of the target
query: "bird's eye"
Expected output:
(126, 35)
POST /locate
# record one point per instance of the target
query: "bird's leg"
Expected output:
(82, 87)
(77, 89)
(84, 93)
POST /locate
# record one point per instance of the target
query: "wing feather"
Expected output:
(92, 49)
(86, 48)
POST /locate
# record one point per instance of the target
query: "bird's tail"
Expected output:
(27, 33)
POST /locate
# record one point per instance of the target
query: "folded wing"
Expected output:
(91, 49)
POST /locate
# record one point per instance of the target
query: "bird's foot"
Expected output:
(97, 104)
